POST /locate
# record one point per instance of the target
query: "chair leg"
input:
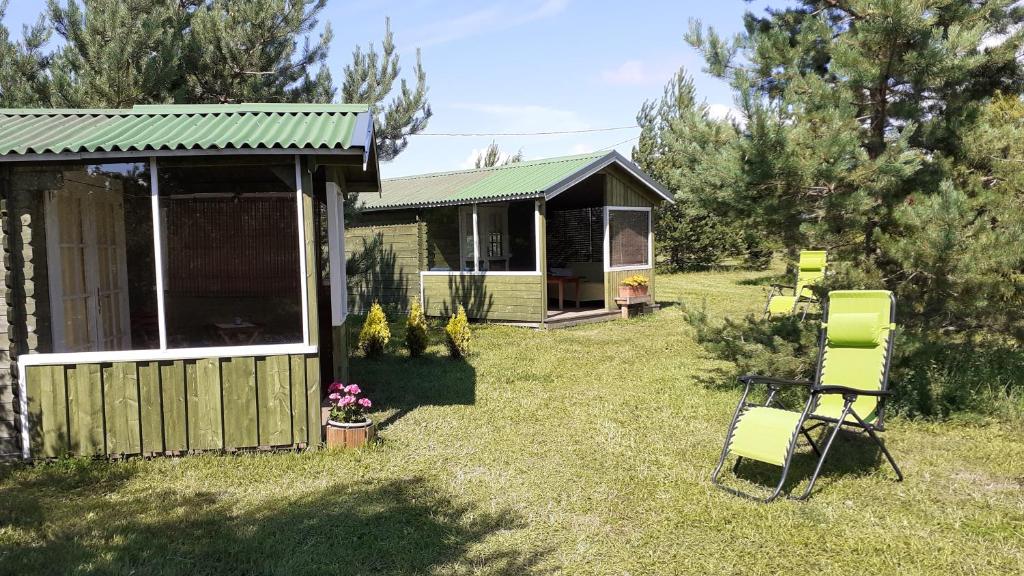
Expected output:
(811, 441)
(825, 449)
(871, 432)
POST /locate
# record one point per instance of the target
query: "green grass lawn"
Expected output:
(577, 451)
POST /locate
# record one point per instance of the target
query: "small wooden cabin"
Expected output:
(504, 241)
(167, 279)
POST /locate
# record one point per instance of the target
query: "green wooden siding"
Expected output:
(620, 192)
(393, 254)
(126, 408)
(514, 298)
(612, 279)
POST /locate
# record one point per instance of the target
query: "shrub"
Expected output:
(416, 329)
(375, 334)
(458, 335)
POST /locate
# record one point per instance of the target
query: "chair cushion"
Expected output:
(854, 329)
(812, 260)
(764, 434)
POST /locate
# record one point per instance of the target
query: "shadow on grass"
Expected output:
(397, 527)
(852, 454)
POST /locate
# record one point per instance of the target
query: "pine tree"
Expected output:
(493, 156)
(22, 64)
(682, 147)
(859, 116)
(370, 79)
(118, 53)
(257, 51)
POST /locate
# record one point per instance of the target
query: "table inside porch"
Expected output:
(561, 281)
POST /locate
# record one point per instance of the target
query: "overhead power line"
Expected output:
(618, 144)
(551, 133)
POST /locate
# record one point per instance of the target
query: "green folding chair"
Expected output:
(811, 270)
(850, 386)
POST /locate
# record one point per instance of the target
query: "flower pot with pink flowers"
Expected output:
(348, 425)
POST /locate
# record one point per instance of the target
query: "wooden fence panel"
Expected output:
(175, 405)
(274, 401)
(85, 406)
(54, 405)
(121, 408)
(149, 408)
(240, 428)
(126, 408)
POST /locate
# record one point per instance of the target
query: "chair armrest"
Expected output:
(781, 286)
(758, 379)
(827, 389)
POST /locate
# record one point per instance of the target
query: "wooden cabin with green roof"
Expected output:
(505, 241)
(167, 287)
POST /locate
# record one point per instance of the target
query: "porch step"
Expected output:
(572, 318)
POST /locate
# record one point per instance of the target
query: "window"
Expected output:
(231, 258)
(102, 288)
(227, 237)
(629, 237)
(506, 234)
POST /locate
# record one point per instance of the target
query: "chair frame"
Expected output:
(815, 388)
(780, 290)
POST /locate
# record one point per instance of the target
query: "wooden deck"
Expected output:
(573, 317)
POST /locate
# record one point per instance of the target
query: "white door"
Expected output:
(87, 265)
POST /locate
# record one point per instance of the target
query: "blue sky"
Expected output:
(525, 66)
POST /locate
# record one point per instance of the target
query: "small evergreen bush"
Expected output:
(375, 334)
(416, 329)
(457, 334)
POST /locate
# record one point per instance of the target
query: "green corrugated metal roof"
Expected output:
(519, 180)
(183, 127)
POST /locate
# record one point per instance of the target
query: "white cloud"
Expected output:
(470, 161)
(495, 17)
(581, 149)
(726, 112)
(630, 72)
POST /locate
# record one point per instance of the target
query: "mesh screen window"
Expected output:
(629, 231)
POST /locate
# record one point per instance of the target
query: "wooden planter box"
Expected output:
(349, 435)
(632, 291)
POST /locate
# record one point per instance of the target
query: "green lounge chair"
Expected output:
(849, 389)
(811, 271)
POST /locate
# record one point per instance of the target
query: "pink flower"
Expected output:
(347, 400)
(336, 387)
(365, 402)
(353, 389)
(334, 396)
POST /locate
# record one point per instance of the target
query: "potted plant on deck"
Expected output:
(347, 423)
(635, 285)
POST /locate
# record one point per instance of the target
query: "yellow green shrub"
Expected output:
(375, 333)
(416, 329)
(457, 334)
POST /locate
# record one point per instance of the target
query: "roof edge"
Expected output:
(612, 157)
(190, 109)
(511, 166)
(457, 202)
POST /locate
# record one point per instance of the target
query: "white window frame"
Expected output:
(336, 254)
(608, 239)
(164, 353)
(537, 239)
(538, 266)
